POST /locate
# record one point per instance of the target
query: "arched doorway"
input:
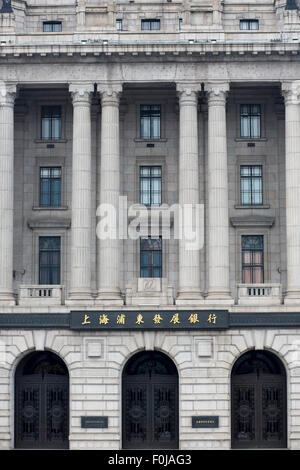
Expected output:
(41, 402)
(150, 402)
(258, 401)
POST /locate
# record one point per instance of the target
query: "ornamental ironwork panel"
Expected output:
(57, 413)
(165, 418)
(41, 412)
(259, 409)
(28, 399)
(244, 413)
(150, 402)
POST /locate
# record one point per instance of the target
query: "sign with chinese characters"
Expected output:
(94, 422)
(150, 320)
(205, 421)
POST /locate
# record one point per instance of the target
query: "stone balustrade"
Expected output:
(41, 295)
(259, 294)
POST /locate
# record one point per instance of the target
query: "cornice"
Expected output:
(151, 49)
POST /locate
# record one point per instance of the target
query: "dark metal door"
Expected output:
(41, 405)
(42, 413)
(258, 410)
(150, 416)
(150, 402)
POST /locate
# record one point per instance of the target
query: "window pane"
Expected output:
(49, 260)
(46, 128)
(255, 127)
(245, 126)
(155, 127)
(150, 257)
(244, 24)
(50, 186)
(146, 25)
(56, 128)
(155, 25)
(256, 191)
(257, 275)
(145, 127)
(254, 24)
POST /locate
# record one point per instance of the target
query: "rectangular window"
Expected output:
(250, 115)
(52, 27)
(180, 24)
(251, 185)
(253, 259)
(150, 25)
(51, 122)
(119, 24)
(150, 185)
(249, 25)
(150, 257)
(50, 186)
(150, 121)
(49, 260)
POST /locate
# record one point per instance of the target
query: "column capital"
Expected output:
(188, 92)
(216, 92)
(81, 92)
(8, 93)
(291, 91)
(110, 92)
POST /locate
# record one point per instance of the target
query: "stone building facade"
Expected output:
(122, 341)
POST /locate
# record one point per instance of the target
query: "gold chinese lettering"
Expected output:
(103, 319)
(193, 318)
(121, 319)
(139, 319)
(212, 318)
(157, 318)
(86, 320)
(175, 319)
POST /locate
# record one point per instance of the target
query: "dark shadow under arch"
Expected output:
(150, 402)
(258, 401)
(41, 402)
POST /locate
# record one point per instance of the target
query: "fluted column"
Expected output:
(7, 99)
(80, 270)
(217, 190)
(291, 93)
(109, 246)
(189, 259)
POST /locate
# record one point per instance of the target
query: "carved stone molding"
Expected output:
(81, 92)
(291, 92)
(110, 93)
(216, 92)
(188, 92)
(8, 94)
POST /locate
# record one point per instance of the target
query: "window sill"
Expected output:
(249, 139)
(50, 141)
(50, 208)
(150, 140)
(258, 206)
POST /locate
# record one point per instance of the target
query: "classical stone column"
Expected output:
(291, 93)
(80, 270)
(7, 99)
(217, 191)
(109, 245)
(189, 259)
